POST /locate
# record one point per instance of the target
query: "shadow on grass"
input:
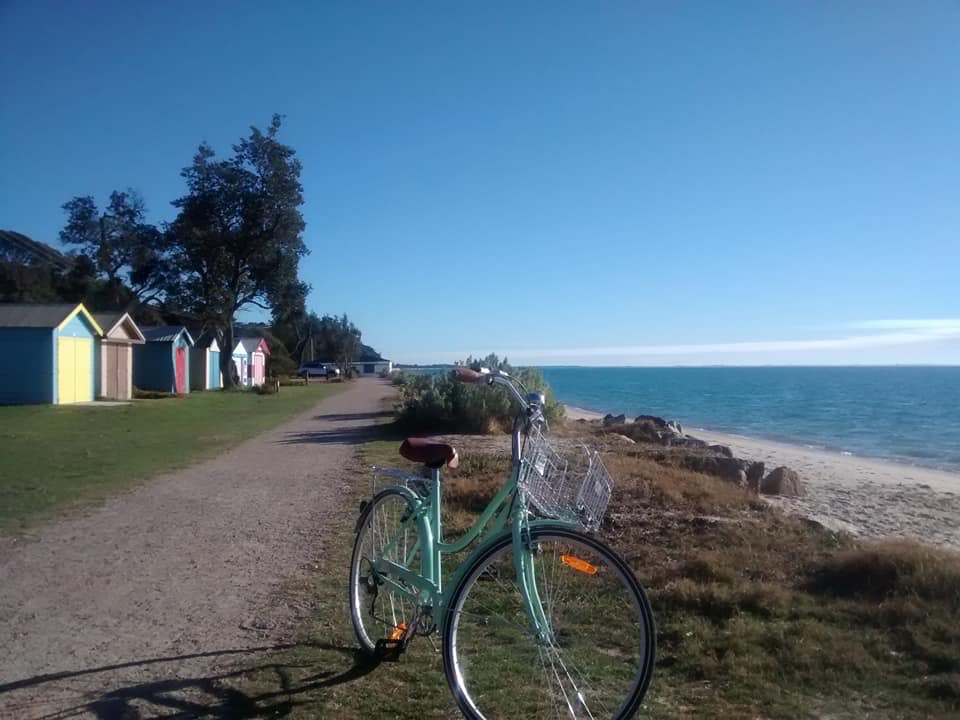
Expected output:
(282, 685)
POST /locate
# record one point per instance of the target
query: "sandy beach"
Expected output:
(864, 496)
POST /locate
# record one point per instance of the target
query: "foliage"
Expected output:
(438, 403)
(237, 239)
(40, 282)
(331, 339)
(279, 362)
(128, 251)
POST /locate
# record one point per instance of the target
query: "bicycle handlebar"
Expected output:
(530, 412)
(498, 377)
(466, 375)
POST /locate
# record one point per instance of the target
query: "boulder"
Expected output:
(659, 422)
(730, 469)
(645, 432)
(614, 419)
(745, 473)
(781, 481)
(668, 426)
(755, 476)
(721, 450)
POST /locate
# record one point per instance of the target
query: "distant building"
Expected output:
(372, 367)
(368, 367)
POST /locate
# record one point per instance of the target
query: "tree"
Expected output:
(344, 342)
(331, 339)
(124, 248)
(237, 239)
(290, 319)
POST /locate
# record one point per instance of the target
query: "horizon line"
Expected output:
(708, 365)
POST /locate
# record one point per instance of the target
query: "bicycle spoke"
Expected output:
(593, 661)
(387, 534)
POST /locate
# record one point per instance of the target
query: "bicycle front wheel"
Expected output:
(594, 661)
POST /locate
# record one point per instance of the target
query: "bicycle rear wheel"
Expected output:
(387, 529)
(599, 654)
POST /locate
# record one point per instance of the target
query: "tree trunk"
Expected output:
(227, 367)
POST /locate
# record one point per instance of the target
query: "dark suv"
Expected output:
(318, 369)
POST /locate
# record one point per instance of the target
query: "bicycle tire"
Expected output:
(363, 589)
(491, 654)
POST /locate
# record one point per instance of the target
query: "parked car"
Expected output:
(318, 369)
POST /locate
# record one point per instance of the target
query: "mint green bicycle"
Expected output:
(542, 619)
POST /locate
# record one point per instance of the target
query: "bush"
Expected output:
(289, 381)
(437, 403)
(890, 569)
(281, 364)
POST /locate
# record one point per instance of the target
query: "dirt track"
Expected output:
(188, 564)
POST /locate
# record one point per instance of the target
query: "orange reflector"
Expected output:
(578, 564)
(398, 633)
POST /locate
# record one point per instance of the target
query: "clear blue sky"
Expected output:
(591, 183)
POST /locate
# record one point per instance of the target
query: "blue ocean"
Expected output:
(907, 414)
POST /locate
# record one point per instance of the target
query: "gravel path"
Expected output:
(188, 564)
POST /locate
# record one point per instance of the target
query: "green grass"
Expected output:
(759, 614)
(58, 457)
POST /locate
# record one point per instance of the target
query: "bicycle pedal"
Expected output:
(390, 650)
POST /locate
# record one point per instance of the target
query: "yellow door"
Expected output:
(74, 369)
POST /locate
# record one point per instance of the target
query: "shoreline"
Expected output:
(869, 497)
(949, 475)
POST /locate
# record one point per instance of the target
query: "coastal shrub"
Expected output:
(890, 569)
(437, 403)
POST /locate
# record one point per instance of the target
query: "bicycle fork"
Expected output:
(523, 564)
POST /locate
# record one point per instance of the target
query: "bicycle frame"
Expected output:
(427, 586)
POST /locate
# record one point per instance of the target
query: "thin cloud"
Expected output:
(934, 326)
(899, 333)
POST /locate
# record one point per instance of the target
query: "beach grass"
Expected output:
(57, 457)
(759, 614)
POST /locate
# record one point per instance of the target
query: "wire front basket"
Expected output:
(575, 488)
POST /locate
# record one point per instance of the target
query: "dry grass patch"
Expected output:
(890, 569)
(760, 615)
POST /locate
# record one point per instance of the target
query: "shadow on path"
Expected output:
(341, 417)
(346, 436)
(282, 686)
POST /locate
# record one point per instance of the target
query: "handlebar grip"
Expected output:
(466, 375)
